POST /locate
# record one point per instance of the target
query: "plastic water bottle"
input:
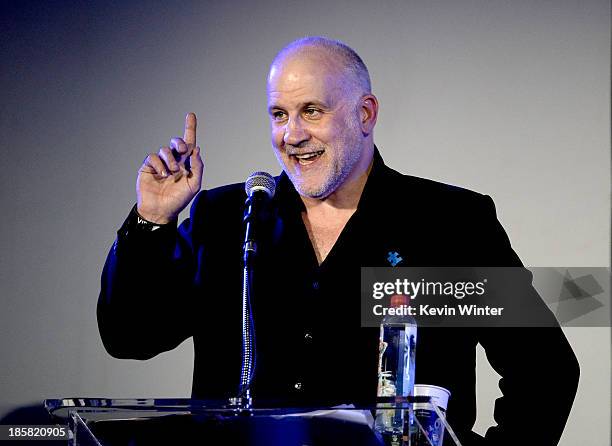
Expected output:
(396, 367)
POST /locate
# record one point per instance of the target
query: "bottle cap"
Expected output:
(397, 300)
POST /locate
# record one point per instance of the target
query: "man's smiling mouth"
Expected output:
(308, 158)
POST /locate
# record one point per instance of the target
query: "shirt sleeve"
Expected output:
(146, 295)
(539, 371)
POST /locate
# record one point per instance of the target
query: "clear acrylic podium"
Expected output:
(137, 422)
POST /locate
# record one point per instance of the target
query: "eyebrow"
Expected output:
(303, 105)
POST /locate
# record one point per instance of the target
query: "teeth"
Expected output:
(308, 156)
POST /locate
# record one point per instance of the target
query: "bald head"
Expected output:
(322, 116)
(331, 57)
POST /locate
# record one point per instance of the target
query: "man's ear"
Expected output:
(368, 112)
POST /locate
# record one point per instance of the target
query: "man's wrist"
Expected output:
(137, 224)
(136, 229)
(152, 219)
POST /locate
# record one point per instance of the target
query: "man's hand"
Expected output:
(169, 179)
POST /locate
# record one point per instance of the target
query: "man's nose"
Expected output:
(295, 132)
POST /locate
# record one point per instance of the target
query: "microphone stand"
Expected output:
(260, 188)
(244, 400)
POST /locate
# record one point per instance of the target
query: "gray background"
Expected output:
(510, 98)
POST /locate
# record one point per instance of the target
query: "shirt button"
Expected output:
(307, 338)
(315, 285)
(298, 386)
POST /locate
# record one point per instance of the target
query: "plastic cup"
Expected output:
(432, 425)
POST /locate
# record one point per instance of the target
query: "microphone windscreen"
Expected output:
(260, 181)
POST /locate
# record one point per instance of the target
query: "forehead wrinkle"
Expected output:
(304, 89)
(295, 99)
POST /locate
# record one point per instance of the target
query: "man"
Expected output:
(337, 207)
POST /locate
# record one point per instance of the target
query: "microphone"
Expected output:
(260, 188)
(260, 182)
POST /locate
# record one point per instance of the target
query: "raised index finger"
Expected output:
(191, 123)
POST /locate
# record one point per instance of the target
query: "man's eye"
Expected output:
(311, 112)
(278, 115)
